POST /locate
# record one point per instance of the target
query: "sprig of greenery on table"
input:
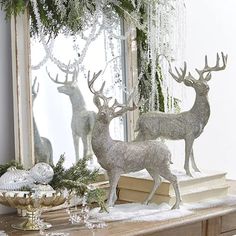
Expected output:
(77, 179)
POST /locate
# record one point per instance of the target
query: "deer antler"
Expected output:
(180, 77)
(74, 72)
(124, 107)
(34, 85)
(34, 89)
(97, 94)
(91, 82)
(209, 69)
(54, 80)
(67, 72)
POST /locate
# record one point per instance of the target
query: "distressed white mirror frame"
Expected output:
(22, 99)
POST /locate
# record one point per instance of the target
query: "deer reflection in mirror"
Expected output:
(82, 121)
(42, 146)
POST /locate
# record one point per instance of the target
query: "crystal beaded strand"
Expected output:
(82, 216)
(153, 55)
(170, 42)
(94, 33)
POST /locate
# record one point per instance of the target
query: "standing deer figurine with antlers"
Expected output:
(82, 120)
(186, 125)
(119, 157)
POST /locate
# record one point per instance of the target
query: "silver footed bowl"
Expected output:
(33, 203)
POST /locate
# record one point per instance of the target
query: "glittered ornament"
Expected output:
(42, 173)
(15, 179)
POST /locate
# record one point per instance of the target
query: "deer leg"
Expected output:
(76, 146)
(139, 137)
(166, 173)
(85, 145)
(193, 162)
(157, 180)
(144, 136)
(188, 149)
(114, 177)
(90, 150)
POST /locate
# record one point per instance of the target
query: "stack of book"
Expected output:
(135, 187)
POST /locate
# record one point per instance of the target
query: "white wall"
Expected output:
(6, 107)
(211, 28)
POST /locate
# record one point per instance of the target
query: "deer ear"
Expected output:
(97, 102)
(208, 76)
(188, 82)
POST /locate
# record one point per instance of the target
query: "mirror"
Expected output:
(63, 109)
(42, 112)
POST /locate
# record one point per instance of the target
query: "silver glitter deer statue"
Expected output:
(82, 120)
(119, 157)
(42, 146)
(186, 125)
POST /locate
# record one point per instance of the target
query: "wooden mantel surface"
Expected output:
(59, 220)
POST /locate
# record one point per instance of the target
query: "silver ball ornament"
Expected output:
(42, 173)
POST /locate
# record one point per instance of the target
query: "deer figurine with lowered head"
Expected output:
(42, 146)
(119, 157)
(186, 125)
(82, 120)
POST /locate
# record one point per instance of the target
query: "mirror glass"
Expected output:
(63, 108)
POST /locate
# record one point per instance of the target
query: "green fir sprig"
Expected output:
(77, 179)
(13, 163)
(13, 7)
(78, 173)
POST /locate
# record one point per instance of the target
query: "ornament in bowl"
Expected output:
(41, 194)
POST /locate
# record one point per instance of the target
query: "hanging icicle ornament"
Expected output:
(163, 43)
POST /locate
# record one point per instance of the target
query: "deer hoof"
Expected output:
(110, 206)
(197, 170)
(145, 202)
(176, 206)
(189, 173)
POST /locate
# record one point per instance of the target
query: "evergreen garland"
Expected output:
(145, 82)
(72, 22)
(13, 163)
(13, 7)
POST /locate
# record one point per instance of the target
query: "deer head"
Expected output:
(107, 112)
(68, 86)
(200, 85)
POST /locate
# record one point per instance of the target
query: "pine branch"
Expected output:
(77, 179)
(13, 163)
